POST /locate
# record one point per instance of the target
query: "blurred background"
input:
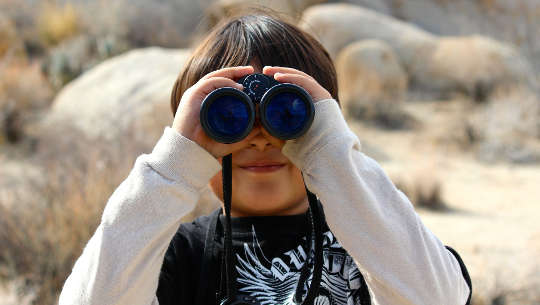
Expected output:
(444, 94)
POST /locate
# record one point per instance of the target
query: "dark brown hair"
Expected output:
(266, 39)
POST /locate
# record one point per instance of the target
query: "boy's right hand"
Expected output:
(186, 120)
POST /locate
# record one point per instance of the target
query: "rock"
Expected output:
(128, 91)
(72, 57)
(369, 72)
(165, 23)
(441, 18)
(475, 65)
(337, 25)
(123, 101)
(513, 22)
(224, 8)
(373, 84)
(380, 6)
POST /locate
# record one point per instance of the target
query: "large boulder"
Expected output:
(73, 56)
(116, 111)
(130, 91)
(475, 65)
(165, 23)
(372, 84)
(381, 6)
(337, 25)
(516, 22)
(369, 72)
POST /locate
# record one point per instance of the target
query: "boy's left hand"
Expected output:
(297, 77)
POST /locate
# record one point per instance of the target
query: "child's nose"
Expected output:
(259, 141)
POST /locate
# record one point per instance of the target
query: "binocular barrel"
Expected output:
(285, 110)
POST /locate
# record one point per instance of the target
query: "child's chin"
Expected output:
(267, 203)
(257, 210)
(263, 170)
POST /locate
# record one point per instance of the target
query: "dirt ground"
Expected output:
(494, 209)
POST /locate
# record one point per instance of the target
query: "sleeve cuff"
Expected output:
(328, 126)
(178, 158)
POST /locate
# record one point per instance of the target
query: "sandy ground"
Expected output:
(494, 213)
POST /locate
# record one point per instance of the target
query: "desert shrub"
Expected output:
(41, 239)
(423, 187)
(8, 36)
(167, 23)
(24, 91)
(72, 57)
(57, 22)
(384, 115)
(508, 127)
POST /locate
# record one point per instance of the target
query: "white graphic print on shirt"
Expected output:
(273, 281)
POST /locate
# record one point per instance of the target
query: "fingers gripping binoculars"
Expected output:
(285, 110)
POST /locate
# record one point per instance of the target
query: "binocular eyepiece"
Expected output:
(285, 110)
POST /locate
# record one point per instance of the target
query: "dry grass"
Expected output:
(41, 239)
(423, 187)
(526, 294)
(8, 36)
(507, 128)
(424, 194)
(40, 243)
(57, 22)
(488, 4)
(24, 91)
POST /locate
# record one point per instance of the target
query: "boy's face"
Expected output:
(264, 181)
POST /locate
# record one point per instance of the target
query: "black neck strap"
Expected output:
(227, 196)
(316, 217)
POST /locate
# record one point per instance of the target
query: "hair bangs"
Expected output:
(261, 40)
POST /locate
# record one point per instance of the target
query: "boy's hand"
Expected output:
(187, 122)
(297, 77)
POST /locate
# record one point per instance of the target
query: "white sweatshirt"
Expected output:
(402, 261)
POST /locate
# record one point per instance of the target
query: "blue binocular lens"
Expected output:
(285, 110)
(286, 114)
(228, 115)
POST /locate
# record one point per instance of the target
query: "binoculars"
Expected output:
(285, 110)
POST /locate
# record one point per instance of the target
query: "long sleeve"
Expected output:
(122, 261)
(403, 262)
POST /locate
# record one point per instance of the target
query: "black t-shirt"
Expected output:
(269, 252)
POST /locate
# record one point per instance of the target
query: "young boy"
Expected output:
(376, 249)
